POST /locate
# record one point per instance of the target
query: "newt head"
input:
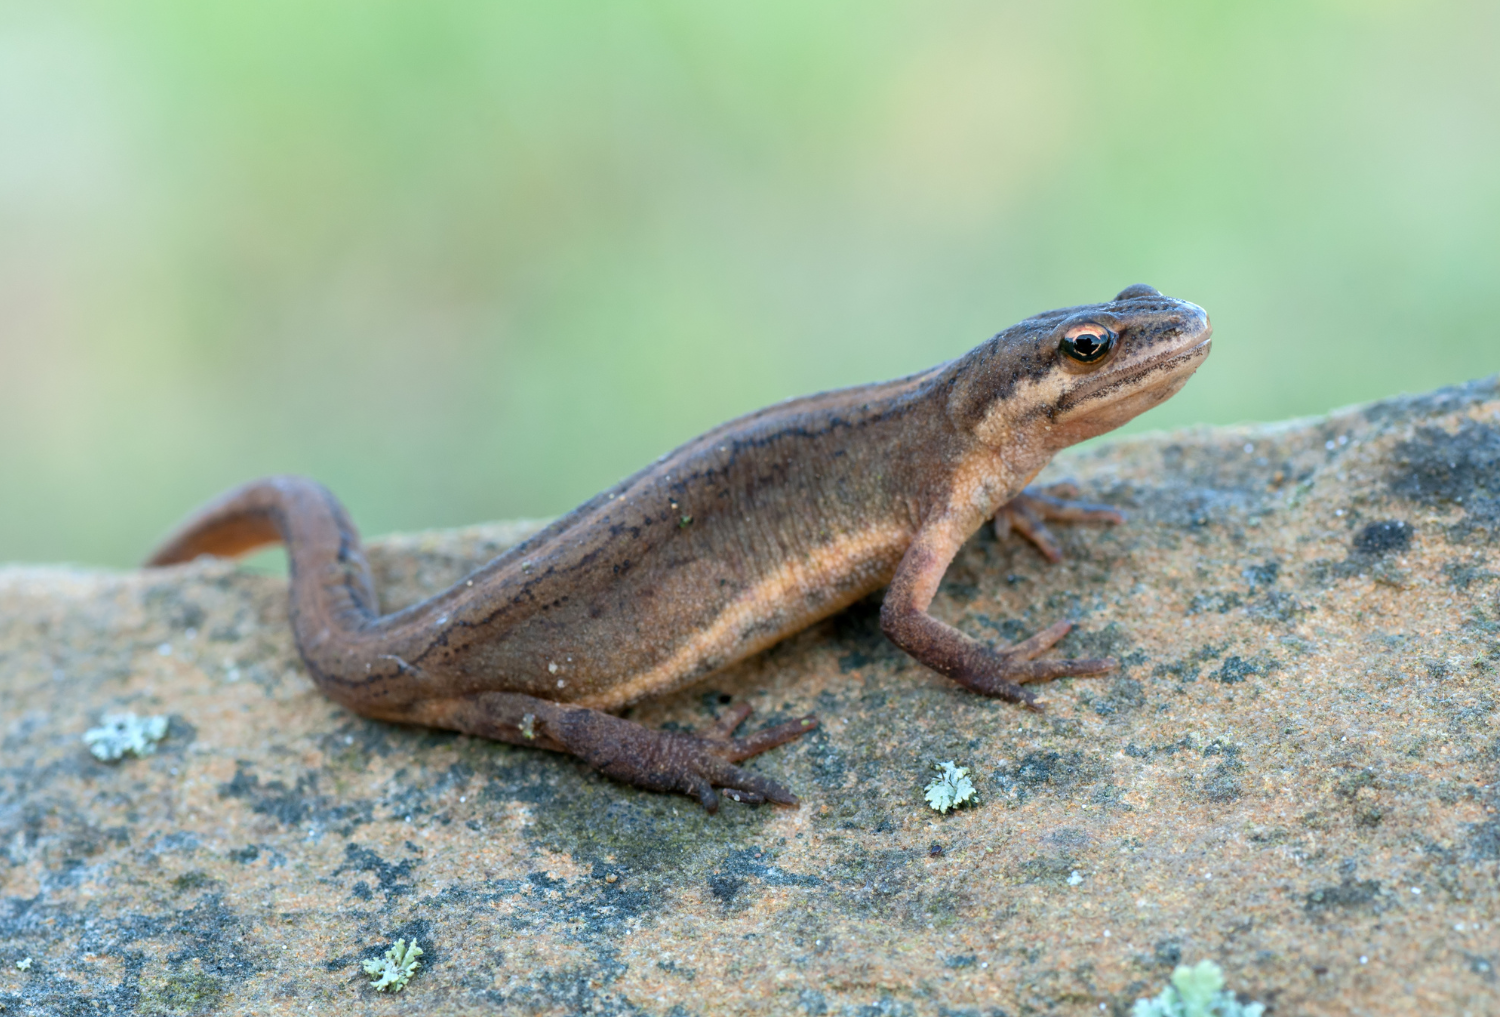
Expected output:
(1070, 374)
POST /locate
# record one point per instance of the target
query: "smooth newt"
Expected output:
(721, 548)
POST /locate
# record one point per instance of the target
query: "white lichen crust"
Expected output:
(949, 789)
(122, 733)
(1196, 991)
(395, 969)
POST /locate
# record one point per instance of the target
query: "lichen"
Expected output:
(950, 789)
(191, 992)
(395, 969)
(121, 733)
(1196, 991)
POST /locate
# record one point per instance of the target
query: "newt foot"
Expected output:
(1028, 512)
(690, 764)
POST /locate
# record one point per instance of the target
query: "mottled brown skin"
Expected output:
(716, 551)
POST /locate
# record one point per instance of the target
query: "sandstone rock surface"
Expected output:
(1294, 773)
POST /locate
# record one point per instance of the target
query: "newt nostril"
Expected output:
(1138, 290)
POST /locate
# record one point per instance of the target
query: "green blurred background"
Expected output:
(466, 261)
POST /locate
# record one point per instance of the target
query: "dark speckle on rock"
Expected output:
(1237, 669)
(1262, 575)
(1051, 773)
(392, 878)
(1216, 601)
(1124, 695)
(1348, 893)
(725, 886)
(1384, 537)
(1222, 783)
(1167, 953)
(1484, 840)
(1438, 465)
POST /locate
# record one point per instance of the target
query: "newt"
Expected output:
(721, 548)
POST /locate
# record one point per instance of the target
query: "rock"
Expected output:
(1293, 773)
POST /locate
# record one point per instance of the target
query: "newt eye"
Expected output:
(1088, 343)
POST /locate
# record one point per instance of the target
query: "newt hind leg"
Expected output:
(693, 764)
(1029, 512)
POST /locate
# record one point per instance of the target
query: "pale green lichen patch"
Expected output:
(120, 734)
(188, 992)
(395, 969)
(950, 789)
(1196, 991)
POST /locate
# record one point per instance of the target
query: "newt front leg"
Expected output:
(990, 672)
